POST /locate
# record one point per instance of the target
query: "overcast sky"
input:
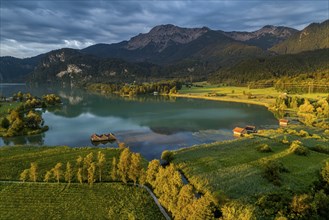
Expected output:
(30, 27)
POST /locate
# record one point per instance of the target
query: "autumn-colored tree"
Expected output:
(124, 164)
(152, 170)
(91, 173)
(68, 172)
(48, 176)
(100, 164)
(185, 202)
(80, 175)
(33, 172)
(167, 186)
(114, 170)
(24, 175)
(135, 167)
(57, 170)
(33, 120)
(86, 164)
(142, 177)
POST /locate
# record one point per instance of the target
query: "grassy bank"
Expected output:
(235, 169)
(75, 201)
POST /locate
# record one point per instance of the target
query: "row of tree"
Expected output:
(179, 199)
(165, 87)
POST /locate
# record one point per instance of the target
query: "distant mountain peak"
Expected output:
(162, 36)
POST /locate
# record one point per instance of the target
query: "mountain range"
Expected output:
(167, 52)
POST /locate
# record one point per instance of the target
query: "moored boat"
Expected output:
(103, 137)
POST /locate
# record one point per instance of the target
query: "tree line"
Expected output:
(179, 199)
(165, 87)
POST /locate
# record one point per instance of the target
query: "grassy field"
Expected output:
(75, 201)
(234, 169)
(14, 159)
(264, 96)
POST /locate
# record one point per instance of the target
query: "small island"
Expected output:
(21, 114)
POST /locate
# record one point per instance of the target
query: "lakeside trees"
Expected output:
(24, 119)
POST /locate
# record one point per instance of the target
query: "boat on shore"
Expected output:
(103, 137)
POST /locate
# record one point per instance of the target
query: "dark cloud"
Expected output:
(31, 27)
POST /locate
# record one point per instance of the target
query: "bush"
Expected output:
(272, 170)
(297, 148)
(321, 149)
(285, 140)
(167, 156)
(303, 133)
(264, 148)
(5, 123)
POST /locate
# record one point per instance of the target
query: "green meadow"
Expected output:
(235, 169)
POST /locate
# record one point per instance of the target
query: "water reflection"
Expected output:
(148, 124)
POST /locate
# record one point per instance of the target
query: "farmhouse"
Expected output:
(283, 122)
(239, 131)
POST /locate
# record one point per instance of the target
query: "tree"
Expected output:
(57, 171)
(100, 163)
(184, 203)
(33, 120)
(152, 170)
(123, 165)
(68, 172)
(91, 173)
(33, 172)
(135, 167)
(48, 176)
(13, 116)
(167, 156)
(114, 171)
(142, 177)
(325, 173)
(24, 175)
(80, 175)
(5, 123)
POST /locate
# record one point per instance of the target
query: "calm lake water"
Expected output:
(148, 124)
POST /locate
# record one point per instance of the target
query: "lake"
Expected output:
(147, 124)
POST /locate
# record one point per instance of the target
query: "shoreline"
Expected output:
(220, 99)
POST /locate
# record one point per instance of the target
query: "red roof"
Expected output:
(283, 120)
(238, 130)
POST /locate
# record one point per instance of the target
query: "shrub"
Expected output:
(167, 156)
(303, 133)
(272, 170)
(321, 149)
(285, 140)
(297, 148)
(5, 123)
(264, 148)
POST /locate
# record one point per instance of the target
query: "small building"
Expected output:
(239, 131)
(251, 129)
(283, 122)
(155, 93)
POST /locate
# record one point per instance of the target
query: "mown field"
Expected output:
(235, 169)
(265, 96)
(75, 201)
(14, 159)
